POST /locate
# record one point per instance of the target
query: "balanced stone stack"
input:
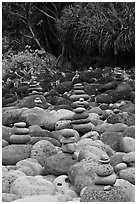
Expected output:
(34, 87)
(38, 102)
(105, 173)
(20, 134)
(69, 139)
(79, 98)
(81, 121)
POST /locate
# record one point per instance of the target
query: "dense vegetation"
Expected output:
(79, 35)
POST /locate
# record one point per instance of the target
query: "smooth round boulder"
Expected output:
(42, 150)
(31, 163)
(127, 144)
(13, 153)
(29, 185)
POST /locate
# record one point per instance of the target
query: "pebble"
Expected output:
(127, 144)
(20, 131)
(127, 174)
(120, 166)
(69, 148)
(19, 139)
(104, 170)
(20, 124)
(129, 158)
(106, 180)
(62, 184)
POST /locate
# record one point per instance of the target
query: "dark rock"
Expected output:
(64, 86)
(119, 95)
(103, 98)
(91, 89)
(13, 153)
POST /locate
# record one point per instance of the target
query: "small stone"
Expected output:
(82, 115)
(20, 131)
(104, 170)
(20, 124)
(19, 139)
(127, 174)
(79, 110)
(127, 144)
(120, 166)
(69, 148)
(129, 158)
(69, 133)
(106, 180)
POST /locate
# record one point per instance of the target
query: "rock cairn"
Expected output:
(34, 87)
(81, 121)
(69, 140)
(105, 173)
(20, 134)
(79, 98)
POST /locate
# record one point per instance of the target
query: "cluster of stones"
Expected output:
(69, 140)
(20, 134)
(105, 173)
(34, 87)
(87, 154)
(79, 98)
(81, 121)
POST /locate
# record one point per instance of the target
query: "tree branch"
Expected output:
(46, 14)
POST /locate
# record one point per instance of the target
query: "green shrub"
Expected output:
(28, 59)
(97, 29)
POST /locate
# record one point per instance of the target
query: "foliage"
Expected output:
(27, 60)
(97, 29)
(32, 23)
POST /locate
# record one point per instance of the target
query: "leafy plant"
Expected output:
(97, 29)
